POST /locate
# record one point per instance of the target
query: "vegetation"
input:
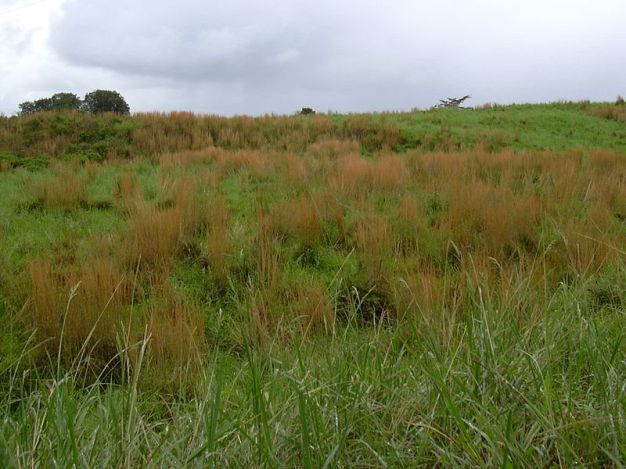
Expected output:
(424, 289)
(105, 101)
(57, 102)
(95, 102)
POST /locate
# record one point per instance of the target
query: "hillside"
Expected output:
(32, 140)
(434, 288)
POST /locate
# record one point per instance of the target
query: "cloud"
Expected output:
(255, 56)
(188, 41)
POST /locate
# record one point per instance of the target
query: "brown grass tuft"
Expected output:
(127, 192)
(299, 219)
(78, 309)
(218, 242)
(311, 303)
(66, 190)
(156, 235)
(374, 242)
(389, 172)
(176, 346)
(332, 148)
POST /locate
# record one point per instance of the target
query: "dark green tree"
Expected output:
(56, 102)
(105, 101)
(27, 107)
(60, 101)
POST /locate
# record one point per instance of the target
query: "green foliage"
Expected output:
(95, 102)
(100, 101)
(27, 162)
(57, 102)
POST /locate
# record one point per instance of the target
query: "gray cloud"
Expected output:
(246, 56)
(188, 41)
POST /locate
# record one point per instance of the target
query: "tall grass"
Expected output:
(264, 294)
(66, 190)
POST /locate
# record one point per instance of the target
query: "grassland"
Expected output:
(434, 288)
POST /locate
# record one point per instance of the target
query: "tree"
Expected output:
(27, 107)
(104, 101)
(57, 102)
(453, 102)
(60, 101)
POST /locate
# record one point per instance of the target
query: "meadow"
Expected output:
(433, 288)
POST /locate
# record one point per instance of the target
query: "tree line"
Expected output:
(95, 102)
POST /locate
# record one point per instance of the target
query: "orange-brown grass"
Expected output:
(389, 172)
(80, 309)
(46, 302)
(293, 168)
(176, 341)
(184, 195)
(66, 190)
(127, 192)
(332, 148)
(184, 158)
(157, 231)
(503, 220)
(156, 235)
(608, 183)
(351, 176)
(218, 242)
(611, 111)
(159, 134)
(248, 163)
(87, 312)
(587, 251)
(267, 254)
(311, 303)
(356, 177)
(261, 324)
(429, 299)
(409, 224)
(434, 167)
(299, 219)
(374, 243)
(434, 236)
(374, 135)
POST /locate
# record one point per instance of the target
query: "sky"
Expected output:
(277, 56)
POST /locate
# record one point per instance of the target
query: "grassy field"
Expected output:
(435, 288)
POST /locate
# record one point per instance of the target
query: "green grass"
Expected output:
(528, 373)
(494, 396)
(520, 127)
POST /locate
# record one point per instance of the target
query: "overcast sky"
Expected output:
(277, 56)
